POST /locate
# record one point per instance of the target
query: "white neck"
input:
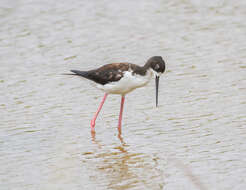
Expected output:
(155, 73)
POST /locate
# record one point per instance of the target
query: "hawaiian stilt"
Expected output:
(122, 78)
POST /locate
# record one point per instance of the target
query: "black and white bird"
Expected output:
(122, 78)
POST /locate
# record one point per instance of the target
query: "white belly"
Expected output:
(126, 84)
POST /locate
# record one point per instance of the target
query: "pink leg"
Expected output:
(121, 112)
(93, 121)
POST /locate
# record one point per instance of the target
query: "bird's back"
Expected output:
(109, 73)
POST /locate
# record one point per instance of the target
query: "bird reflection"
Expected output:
(119, 167)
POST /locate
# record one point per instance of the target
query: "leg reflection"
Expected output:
(93, 139)
(121, 140)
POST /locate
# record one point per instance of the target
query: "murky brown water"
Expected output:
(195, 139)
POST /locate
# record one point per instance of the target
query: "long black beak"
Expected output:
(156, 89)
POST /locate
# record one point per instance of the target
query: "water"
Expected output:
(195, 139)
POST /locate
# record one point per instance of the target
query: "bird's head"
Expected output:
(157, 65)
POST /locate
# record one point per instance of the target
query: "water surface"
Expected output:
(195, 139)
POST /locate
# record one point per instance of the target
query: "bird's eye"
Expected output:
(157, 67)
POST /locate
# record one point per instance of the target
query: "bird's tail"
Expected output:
(78, 73)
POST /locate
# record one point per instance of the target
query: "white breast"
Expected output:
(127, 83)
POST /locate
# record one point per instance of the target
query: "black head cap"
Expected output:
(156, 63)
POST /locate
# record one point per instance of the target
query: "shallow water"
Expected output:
(195, 139)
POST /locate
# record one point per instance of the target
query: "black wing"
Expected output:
(105, 74)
